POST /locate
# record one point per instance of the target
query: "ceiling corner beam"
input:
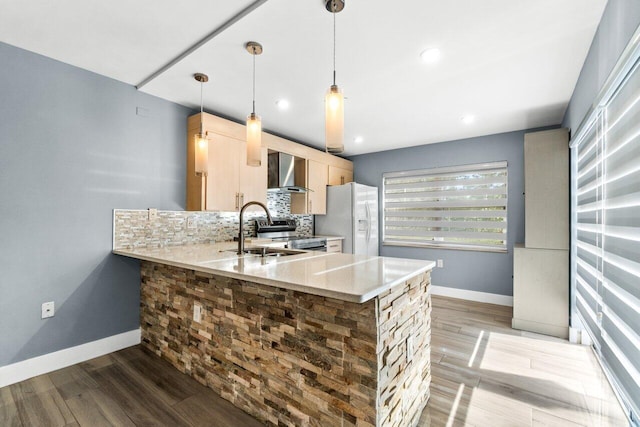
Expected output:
(237, 17)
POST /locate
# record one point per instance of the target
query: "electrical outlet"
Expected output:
(143, 112)
(48, 309)
(440, 263)
(197, 313)
(409, 349)
(191, 222)
(153, 213)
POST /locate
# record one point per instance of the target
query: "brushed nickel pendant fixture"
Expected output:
(254, 122)
(334, 99)
(201, 141)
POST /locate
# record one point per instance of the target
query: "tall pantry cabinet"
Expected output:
(541, 263)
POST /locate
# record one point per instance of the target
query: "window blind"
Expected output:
(606, 215)
(462, 207)
(620, 326)
(588, 213)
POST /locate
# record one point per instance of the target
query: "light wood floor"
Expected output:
(484, 374)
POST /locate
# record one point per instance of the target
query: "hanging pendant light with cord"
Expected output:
(254, 123)
(201, 141)
(334, 99)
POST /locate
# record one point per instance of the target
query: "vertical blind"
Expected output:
(463, 207)
(606, 215)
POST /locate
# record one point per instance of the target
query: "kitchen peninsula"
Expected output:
(307, 339)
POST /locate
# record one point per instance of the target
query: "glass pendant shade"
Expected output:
(334, 120)
(254, 140)
(254, 123)
(201, 153)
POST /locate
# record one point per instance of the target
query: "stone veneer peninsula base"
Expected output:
(292, 358)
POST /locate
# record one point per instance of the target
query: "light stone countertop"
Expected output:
(355, 278)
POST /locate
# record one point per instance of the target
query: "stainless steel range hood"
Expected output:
(281, 168)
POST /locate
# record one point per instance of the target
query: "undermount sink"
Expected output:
(271, 252)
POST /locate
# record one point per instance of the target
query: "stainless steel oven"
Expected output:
(310, 243)
(285, 230)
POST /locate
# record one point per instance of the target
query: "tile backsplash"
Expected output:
(134, 229)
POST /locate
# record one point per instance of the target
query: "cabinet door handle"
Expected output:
(310, 206)
(241, 199)
(237, 201)
(342, 180)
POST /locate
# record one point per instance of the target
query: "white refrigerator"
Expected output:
(352, 212)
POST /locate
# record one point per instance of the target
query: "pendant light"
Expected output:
(254, 124)
(334, 100)
(201, 141)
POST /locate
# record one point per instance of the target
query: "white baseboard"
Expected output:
(472, 295)
(574, 335)
(20, 371)
(579, 336)
(560, 331)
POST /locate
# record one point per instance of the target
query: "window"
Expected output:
(459, 207)
(605, 237)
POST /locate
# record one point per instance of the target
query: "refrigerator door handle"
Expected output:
(368, 210)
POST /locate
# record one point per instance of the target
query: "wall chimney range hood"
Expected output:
(281, 170)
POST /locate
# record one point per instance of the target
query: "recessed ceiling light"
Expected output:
(358, 140)
(282, 104)
(430, 56)
(468, 119)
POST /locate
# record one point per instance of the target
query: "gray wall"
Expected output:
(71, 149)
(619, 21)
(470, 270)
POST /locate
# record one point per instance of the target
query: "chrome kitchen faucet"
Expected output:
(241, 231)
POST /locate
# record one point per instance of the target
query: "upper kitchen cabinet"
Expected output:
(315, 170)
(230, 182)
(315, 176)
(317, 179)
(340, 176)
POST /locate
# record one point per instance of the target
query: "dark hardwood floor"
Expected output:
(483, 374)
(131, 387)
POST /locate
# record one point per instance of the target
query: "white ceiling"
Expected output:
(512, 64)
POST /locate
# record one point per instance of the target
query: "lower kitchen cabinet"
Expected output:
(334, 245)
(541, 291)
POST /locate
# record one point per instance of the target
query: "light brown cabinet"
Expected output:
(230, 182)
(334, 245)
(223, 180)
(339, 176)
(316, 177)
(253, 180)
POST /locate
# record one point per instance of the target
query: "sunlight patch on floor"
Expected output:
(454, 407)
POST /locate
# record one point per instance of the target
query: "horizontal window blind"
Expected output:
(606, 215)
(620, 326)
(588, 212)
(462, 207)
